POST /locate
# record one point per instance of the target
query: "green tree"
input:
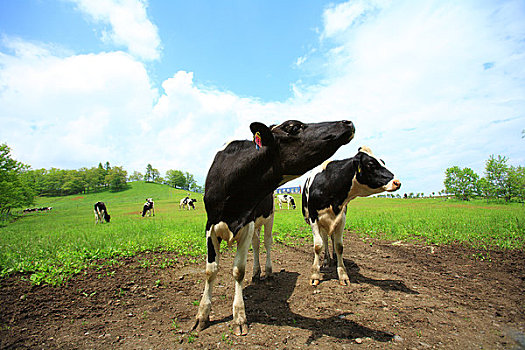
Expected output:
(496, 173)
(155, 175)
(176, 178)
(516, 182)
(136, 176)
(149, 173)
(117, 178)
(15, 189)
(461, 182)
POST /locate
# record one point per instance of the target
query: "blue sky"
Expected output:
(428, 84)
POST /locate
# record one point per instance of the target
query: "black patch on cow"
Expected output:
(329, 188)
(211, 251)
(265, 208)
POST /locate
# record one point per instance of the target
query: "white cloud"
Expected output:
(129, 25)
(413, 77)
(71, 111)
(338, 18)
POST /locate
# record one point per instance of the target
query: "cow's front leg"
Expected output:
(240, 326)
(256, 275)
(318, 247)
(268, 240)
(337, 238)
(212, 265)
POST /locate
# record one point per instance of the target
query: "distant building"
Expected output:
(288, 190)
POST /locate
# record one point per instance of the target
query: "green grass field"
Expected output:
(50, 246)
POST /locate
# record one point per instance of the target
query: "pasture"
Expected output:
(53, 245)
(129, 281)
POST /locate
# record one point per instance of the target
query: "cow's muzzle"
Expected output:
(393, 185)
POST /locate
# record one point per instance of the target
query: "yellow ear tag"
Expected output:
(359, 169)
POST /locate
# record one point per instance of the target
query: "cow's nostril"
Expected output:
(397, 183)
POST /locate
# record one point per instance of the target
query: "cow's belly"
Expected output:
(328, 220)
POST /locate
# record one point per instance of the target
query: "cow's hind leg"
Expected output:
(240, 326)
(256, 275)
(326, 260)
(212, 266)
(268, 245)
(338, 240)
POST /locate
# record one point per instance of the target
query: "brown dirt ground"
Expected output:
(402, 296)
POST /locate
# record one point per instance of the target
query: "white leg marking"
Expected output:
(337, 238)
(239, 268)
(318, 247)
(203, 316)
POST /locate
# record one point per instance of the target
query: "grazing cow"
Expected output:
(149, 208)
(187, 201)
(101, 213)
(285, 198)
(183, 202)
(241, 176)
(263, 217)
(191, 203)
(328, 190)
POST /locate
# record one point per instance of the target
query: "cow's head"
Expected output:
(300, 147)
(372, 173)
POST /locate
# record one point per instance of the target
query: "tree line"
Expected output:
(174, 178)
(19, 184)
(501, 181)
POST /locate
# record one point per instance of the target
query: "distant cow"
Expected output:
(101, 213)
(241, 176)
(148, 208)
(191, 203)
(328, 190)
(286, 198)
(183, 202)
(187, 201)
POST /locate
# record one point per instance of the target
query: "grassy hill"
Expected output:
(51, 245)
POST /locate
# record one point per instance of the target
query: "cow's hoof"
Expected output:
(344, 282)
(240, 329)
(201, 324)
(315, 283)
(256, 278)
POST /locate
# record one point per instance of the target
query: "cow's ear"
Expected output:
(262, 135)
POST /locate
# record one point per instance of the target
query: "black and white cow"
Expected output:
(183, 202)
(241, 176)
(286, 198)
(148, 208)
(187, 201)
(101, 213)
(328, 190)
